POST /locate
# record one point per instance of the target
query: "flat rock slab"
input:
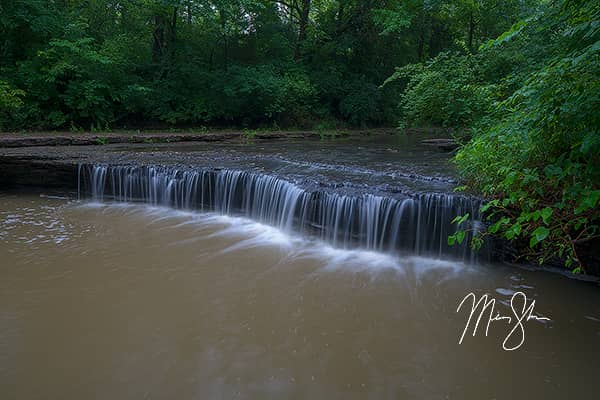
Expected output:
(442, 144)
(87, 139)
(10, 139)
(360, 162)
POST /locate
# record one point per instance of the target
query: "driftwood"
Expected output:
(442, 144)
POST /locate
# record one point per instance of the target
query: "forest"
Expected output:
(516, 81)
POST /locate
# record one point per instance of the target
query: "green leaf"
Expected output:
(588, 202)
(476, 243)
(513, 231)
(460, 236)
(494, 228)
(461, 219)
(487, 206)
(538, 235)
(510, 178)
(552, 171)
(451, 240)
(546, 213)
(507, 36)
(391, 21)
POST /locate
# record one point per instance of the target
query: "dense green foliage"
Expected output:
(537, 154)
(100, 64)
(450, 90)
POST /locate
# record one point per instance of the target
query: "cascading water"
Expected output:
(419, 225)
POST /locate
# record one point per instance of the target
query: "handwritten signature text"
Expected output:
(484, 310)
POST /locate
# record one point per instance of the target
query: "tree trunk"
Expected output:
(422, 38)
(163, 37)
(223, 20)
(303, 24)
(173, 29)
(340, 15)
(471, 31)
(158, 39)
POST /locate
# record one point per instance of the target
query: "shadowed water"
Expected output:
(127, 301)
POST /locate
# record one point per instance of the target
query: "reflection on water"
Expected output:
(127, 301)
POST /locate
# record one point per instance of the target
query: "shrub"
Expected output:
(446, 91)
(10, 103)
(539, 161)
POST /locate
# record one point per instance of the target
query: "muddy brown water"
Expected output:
(120, 301)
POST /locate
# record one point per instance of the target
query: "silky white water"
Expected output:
(123, 301)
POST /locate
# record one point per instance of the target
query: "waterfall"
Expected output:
(418, 225)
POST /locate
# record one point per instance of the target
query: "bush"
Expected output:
(10, 103)
(73, 81)
(360, 104)
(446, 91)
(539, 161)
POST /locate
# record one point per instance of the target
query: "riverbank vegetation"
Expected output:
(535, 147)
(519, 79)
(104, 64)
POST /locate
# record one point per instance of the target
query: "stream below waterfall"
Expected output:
(262, 271)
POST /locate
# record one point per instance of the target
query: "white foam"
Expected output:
(249, 234)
